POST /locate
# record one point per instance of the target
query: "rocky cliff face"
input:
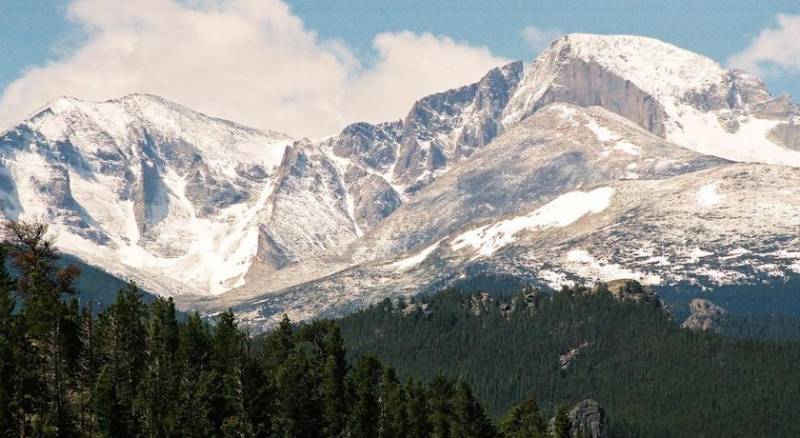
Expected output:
(446, 127)
(705, 315)
(588, 419)
(359, 177)
(560, 148)
(308, 211)
(590, 84)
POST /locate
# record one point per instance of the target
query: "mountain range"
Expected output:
(608, 156)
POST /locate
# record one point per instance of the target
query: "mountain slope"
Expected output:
(593, 114)
(343, 186)
(529, 172)
(142, 187)
(569, 194)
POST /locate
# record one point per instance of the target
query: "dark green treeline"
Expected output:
(652, 377)
(138, 370)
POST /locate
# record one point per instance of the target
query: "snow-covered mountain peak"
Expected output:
(678, 95)
(121, 125)
(132, 108)
(656, 67)
(143, 185)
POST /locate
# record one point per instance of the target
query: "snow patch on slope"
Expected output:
(560, 212)
(414, 260)
(218, 251)
(583, 264)
(703, 133)
(602, 133)
(708, 196)
(628, 148)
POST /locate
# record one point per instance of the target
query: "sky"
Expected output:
(308, 67)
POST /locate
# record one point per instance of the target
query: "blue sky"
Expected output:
(715, 28)
(36, 32)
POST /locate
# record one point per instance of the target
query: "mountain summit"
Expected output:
(678, 95)
(142, 187)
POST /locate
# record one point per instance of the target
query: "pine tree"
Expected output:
(333, 385)
(440, 405)
(394, 409)
(227, 355)
(88, 365)
(561, 424)
(469, 418)
(365, 416)
(112, 416)
(279, 344)
(15, 377)
(259, 394)
(162, 375)
(123, 342)
(524, 420)
(194, 355)
(419, 425)
(299, 410)
(41, 286)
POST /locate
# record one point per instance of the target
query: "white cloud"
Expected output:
(773, 49)
(251, 61)
(539, 39)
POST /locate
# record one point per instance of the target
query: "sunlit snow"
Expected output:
(559, 212)
(583, 264)
(409, 262)
(708, 196)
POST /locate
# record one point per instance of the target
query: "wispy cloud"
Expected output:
(538, 39)
(252, 61)
(774, 50)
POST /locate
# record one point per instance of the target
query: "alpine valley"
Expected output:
(607, 157)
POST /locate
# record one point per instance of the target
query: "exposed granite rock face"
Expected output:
(371, 146)
(628, 290)
(531, 299)
(374, 199)
(565, 360)
(448, 126)
(253, 172)
(210, 194)
(738, 96)
(150, 200)
(551, 152)
(786, 135)
(620, 74)
(308, 181)
(479, 303)
(377, 167)
(705, 315)
(588, 420)
(50, 180)
(589, 84)
(747, 91)
(9, 198)
(423, 309)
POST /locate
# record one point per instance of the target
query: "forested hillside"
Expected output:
(421, 369)
(653, 378)
(137, 370)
